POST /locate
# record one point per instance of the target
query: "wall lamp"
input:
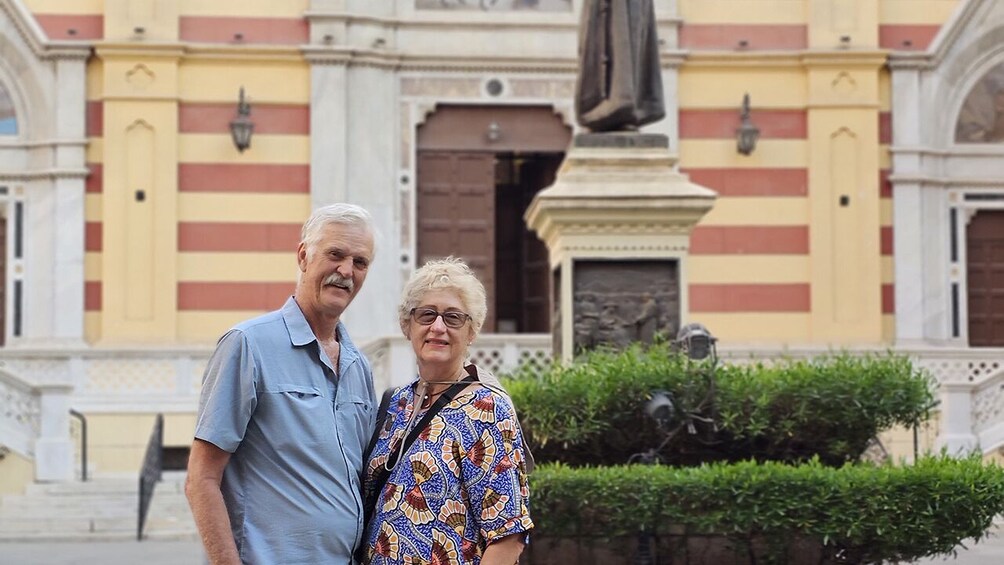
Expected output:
(242, 126)
(747, 133)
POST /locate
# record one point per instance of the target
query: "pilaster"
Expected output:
(140, 193)
(845, 273)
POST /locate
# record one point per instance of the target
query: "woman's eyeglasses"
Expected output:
(427, 316)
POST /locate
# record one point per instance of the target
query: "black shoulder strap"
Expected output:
(381, 419)
(442, 401)
(382, 474)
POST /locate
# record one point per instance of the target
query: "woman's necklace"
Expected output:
(426, 398)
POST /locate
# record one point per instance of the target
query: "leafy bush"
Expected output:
(590, 412)
(854, 513)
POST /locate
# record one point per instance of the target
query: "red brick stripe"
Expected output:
(72, 27)
(233, 295)
(885, 128)
(92, 296)
(268, 118)
(92, 236)
(750, 297)
(888, 298)
(740, 240)
(753, 182)
(196, 236)
(905, 37)
(217, 177)
(95, 180)
(885, 239)
(885, 186)
(212, 29)
(722, 124)
(729, 36)
(95, 118)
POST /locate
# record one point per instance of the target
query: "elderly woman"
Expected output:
(446, 478)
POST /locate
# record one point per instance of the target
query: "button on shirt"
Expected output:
(297, 431)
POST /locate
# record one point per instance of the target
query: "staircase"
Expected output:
(98, 510)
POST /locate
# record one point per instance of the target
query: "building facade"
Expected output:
(866, 217)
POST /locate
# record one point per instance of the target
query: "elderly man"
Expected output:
(287, 409)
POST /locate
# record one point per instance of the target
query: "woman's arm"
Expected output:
(504, 551)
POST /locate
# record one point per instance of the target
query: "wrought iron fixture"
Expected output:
(241, 127)
(747, 133)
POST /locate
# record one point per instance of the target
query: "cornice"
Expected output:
(33, 36)
(393, 60)
(899, 60)
(843, 58)
(205, 51)
(44, 174)
(474, 20)
(135, 49)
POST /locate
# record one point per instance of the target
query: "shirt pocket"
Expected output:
(302, 412)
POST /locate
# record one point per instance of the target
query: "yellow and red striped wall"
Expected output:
(237, 215)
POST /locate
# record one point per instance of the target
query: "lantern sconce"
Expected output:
(747, 133)
(242, 126)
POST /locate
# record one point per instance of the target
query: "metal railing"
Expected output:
(83, 443)
(151, 472)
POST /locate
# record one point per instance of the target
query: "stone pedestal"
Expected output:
(617, 224)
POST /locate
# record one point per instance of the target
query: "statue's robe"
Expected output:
(619, 86)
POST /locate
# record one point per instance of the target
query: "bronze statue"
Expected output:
(620, 81)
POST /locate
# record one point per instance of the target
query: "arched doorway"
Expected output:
(478, 169)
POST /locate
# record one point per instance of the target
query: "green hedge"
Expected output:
(590, 412)
(862, 513)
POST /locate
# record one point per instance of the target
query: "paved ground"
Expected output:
(152, 552)
(149, 552)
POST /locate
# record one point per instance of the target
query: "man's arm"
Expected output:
(504, 551)
(202, 487)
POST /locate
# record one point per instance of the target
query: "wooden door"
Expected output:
(985, 278)
(456, 213)
(536, 175)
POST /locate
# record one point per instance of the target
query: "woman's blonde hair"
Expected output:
(450, 273)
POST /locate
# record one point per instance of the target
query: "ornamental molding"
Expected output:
(34, 37)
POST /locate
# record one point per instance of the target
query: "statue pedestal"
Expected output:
(617, 224)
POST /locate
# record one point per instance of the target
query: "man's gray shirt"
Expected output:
(297, 433)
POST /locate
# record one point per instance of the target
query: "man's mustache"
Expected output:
(339, 280)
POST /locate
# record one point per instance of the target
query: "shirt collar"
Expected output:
(297, 326)
(300, 333)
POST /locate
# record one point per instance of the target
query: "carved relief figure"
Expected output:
(981, 119)
(619, 86)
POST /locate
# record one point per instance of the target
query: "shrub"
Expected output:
(590, 412)
(861, 513)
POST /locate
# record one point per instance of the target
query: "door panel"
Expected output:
(536, 175)
(985, 278)
(456, 213)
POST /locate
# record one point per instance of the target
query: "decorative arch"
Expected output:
(981, 117)
(42, 174)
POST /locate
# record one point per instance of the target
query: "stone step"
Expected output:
(31, 509)
(90, 524)
(102, 509)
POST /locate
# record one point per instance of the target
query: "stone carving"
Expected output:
(619, 86)
(616, 303)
